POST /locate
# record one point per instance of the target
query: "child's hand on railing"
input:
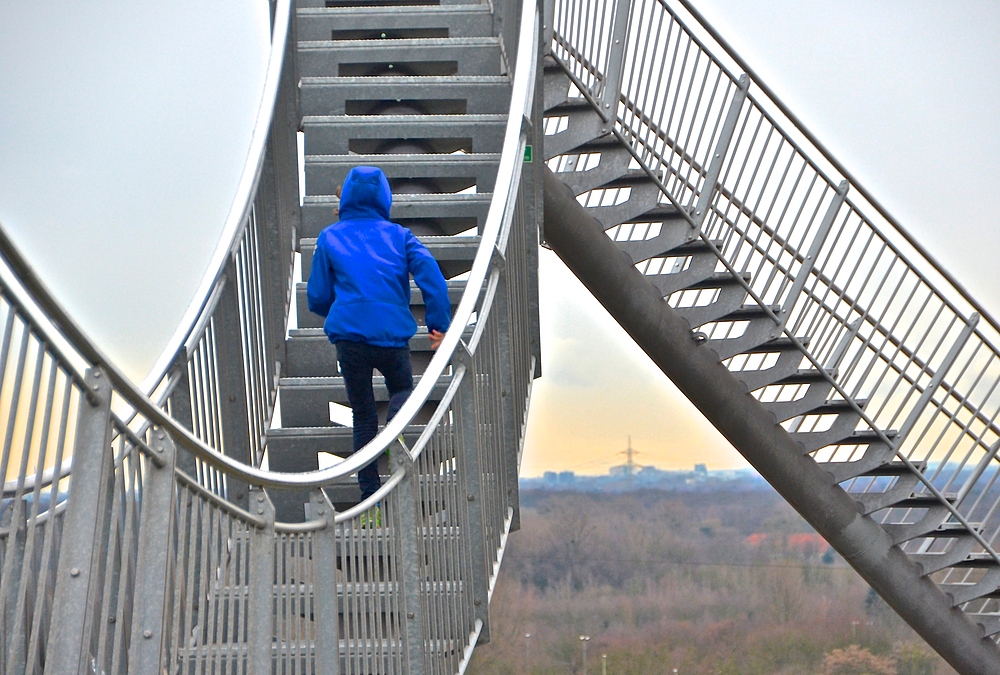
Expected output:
(436, 336)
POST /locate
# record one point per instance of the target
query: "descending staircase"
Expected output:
(852, 383)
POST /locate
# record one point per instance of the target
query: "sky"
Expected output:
(124, 128)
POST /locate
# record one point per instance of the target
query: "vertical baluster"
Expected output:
(470, 478)
(152, 563)
(78, 578)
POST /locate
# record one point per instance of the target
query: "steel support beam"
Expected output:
(581, 243)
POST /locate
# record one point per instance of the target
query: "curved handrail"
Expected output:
(498, 218)
(203, 301)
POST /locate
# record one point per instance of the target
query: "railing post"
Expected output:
(232, 383)
(260, 608)
(611, 87)
(719, 156)
(180, 411)
(931, 387)
(410, 567)
(274, 268)
(153, 559)
(511, 425)
(77, 578)
(810, 260)
(327, 613)
(469, 476)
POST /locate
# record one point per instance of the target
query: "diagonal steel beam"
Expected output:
(666, 338)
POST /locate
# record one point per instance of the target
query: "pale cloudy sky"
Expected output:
(124, 127)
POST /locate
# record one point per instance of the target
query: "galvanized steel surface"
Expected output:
(894, 389)
(234, 588)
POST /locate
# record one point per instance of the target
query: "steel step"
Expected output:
(744, 329)
(644, 196)
(387, 134)
(963, 592)
(578, 125)
(414, 57)
(407, 173)
(431, 214)
(814, 433)
(817, 390)
(294, 449)
(700, 274)
(453, 254)
(476, 95)
(766, 364)
(956, 554)
(308, 353)
(307, 319)
(378, 654)
(865, 452)
(726, 297)
(305, 401)
(362, 23)
(932, 524)
(675, 238)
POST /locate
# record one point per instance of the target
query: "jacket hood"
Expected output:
(366, 194)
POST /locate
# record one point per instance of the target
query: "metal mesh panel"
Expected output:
(209, 586)
(39, 397)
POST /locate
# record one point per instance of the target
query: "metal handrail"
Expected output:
(205, 297)
(829, 156)
(587, 62)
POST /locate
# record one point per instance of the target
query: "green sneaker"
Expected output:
(372, 518)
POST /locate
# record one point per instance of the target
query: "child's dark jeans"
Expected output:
(357, 363)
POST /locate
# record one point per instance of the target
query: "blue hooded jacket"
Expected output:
(360, 278)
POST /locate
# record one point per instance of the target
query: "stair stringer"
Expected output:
(692, 364)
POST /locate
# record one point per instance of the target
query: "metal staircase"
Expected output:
(184, 526)
(859, 378)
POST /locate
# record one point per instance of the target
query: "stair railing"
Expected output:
(900, 340)
(159, 497)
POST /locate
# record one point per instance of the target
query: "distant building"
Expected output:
(567, 477)
(702, 469)
(550, 477)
